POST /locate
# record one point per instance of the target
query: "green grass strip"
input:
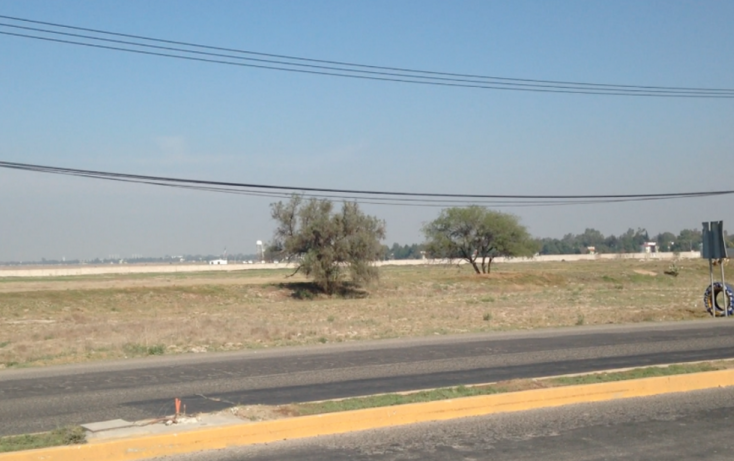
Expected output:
(637, 373)
(386, 400)
(63, 436)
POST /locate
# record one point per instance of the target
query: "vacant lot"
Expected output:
(75, 319)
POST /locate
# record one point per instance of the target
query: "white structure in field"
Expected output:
(217, 262)
(260, 250)
(649, 247)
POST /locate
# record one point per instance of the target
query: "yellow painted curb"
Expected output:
(358, 420)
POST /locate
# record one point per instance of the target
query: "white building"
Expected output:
(649, 247)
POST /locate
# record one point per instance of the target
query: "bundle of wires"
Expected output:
(11, 26)
(377, 197)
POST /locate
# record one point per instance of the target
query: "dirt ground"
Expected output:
(11, 286)
(75, 319)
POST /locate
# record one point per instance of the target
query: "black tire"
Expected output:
(712, 306)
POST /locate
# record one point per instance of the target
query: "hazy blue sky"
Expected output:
(94, 109)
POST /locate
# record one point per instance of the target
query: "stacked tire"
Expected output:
(712, 304)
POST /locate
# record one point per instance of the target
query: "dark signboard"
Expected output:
(713, 240)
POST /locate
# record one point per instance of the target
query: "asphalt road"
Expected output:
(41, 399)
(690, 426)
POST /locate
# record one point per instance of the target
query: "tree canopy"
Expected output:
(477, 235)
(323, 243)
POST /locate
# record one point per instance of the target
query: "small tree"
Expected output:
(323, 243)
(477, 234)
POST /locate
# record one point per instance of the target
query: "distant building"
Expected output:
(216, 262)
(649, 247)
(591, 250)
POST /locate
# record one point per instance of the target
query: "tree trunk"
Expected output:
(474, 265)
(484, 265)
(489, 265)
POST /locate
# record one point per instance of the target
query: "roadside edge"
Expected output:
(373, 418)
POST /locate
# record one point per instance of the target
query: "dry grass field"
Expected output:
(75, 319)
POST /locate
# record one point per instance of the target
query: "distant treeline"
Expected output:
(628, 242)
(397, 251)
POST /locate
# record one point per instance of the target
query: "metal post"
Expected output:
(723, 285)
(713, 294)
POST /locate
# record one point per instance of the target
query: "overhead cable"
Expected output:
(243, 58)
(418, 199)
(342, 63)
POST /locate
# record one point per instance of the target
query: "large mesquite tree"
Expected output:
(477, 235)
(325, 244)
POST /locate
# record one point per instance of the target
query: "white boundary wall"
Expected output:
(66, 271)
(559, 258)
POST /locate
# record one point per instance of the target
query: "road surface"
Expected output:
(34, 400)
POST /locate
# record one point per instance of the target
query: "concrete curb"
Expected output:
(337, 423)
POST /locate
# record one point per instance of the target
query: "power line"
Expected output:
(351, 70)
(74, 171)
(350, 64)
(363, 77)
(374, 73)
(416, 199)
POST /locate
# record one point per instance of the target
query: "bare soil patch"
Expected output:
(11, 285)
